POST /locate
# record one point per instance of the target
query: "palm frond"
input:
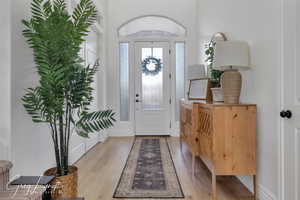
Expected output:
(36, 10)
(84, 15)
(33, 104)
(96, 121)
(47, 8)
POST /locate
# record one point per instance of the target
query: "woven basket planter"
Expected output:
(64, 186)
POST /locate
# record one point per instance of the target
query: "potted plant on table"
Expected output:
(64, 93)
(215, 75)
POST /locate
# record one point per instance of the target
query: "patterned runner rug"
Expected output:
(149, 171)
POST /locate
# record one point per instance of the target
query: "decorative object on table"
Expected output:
(199, 83)
(199, 89)
(64, 93)
(214, 74)
(149, 171)
(230, 55)
(217, 94)
(151, 66)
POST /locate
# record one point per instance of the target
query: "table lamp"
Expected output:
(231, 56)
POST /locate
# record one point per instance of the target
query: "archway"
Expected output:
(152, 25)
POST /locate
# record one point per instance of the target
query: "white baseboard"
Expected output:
(81, 149)
(126, 133)
(120, 133)
(91, 142)
(247, 181)
(175, 133)
(77, 152)
(262, 192)
(103, 136)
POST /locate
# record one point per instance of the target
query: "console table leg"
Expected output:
(255, 187)
(214, 187)
(193, 165)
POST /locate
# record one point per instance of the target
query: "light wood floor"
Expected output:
(101, 168)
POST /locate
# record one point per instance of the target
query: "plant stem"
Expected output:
(55, 145)
(57, 150)
(68, 133)
(65, 136)
(62, 146)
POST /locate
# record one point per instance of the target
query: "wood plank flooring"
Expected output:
(101, 168)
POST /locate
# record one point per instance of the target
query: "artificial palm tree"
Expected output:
(64, 93)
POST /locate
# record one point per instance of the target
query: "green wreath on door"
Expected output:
(147, 70)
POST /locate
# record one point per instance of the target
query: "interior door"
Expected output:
(152, 89)
(291, 100)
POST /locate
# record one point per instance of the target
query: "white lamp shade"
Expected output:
(231, 53)
(196, 72)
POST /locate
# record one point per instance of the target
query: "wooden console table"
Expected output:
(222, 135)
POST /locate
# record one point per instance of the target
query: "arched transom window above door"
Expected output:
(152, 26)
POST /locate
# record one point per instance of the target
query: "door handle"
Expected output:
(286, 114)
(137, 101)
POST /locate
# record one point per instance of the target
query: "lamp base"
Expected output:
(231, 81)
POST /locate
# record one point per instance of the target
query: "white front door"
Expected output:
(152, 89)
(291, 101)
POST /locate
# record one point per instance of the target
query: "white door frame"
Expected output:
(129, 125)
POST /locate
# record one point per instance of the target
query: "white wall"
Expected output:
(103, 7)
(32, 147)
(257, 22)
(5, 61)
(121, 11)
(31, 143)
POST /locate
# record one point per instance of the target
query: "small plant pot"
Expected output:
(217, 94)
(63, 186)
